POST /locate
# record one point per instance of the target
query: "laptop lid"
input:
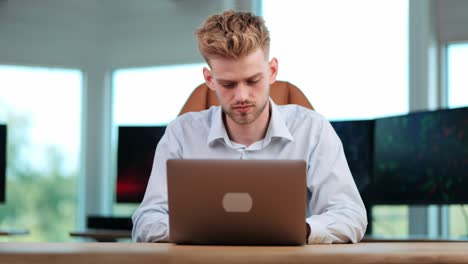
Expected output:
(237, 202)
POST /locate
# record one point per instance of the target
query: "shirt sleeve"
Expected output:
(338, 214)
(151, 219)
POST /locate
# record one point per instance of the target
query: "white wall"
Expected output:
(113, 33)
(146, 34)
(47, 33)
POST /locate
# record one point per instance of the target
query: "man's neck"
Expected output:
(250, 133)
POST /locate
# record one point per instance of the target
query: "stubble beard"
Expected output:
(245, 118)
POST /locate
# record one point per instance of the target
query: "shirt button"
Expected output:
(243, 154)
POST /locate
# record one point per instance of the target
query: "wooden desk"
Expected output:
(447, 252)
(103, 235)
(412, 239)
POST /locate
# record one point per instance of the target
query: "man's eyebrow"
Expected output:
(249, 78)
(255, 76)
(224, 81)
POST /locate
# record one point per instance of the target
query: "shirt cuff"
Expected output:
(318, 231)
(159, 232)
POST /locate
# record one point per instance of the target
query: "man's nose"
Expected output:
(242, 92)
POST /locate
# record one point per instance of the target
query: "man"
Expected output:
(248, 125)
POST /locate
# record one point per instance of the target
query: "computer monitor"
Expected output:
(421, 158)
(3, 154)
(135, 154)
(357, 138)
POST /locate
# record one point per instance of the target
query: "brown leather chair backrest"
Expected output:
(281, 92)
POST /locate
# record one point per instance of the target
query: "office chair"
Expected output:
(281, 92)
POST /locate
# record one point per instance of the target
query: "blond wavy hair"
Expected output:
(232, 35)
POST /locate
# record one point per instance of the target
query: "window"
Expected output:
(457, 89)
(390, 220)
(151, 96)
(457, 78)
(41, 107)
(350, 58)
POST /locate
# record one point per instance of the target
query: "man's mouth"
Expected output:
(243, 108)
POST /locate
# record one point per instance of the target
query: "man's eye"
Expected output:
(228, 85)
(252, 82)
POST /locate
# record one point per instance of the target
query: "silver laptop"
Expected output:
(237, 202)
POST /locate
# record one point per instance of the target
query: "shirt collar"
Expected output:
(217, 130)
(276, 128)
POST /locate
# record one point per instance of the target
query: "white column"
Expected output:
(96, 194)
(423, 55)
(423, 89)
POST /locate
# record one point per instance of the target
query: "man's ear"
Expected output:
(273, 67)
(208, 78)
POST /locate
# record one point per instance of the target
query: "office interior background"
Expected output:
(71, 72)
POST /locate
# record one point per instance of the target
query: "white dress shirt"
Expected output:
(335, 208)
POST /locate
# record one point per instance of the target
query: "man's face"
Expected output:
(242, 85)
